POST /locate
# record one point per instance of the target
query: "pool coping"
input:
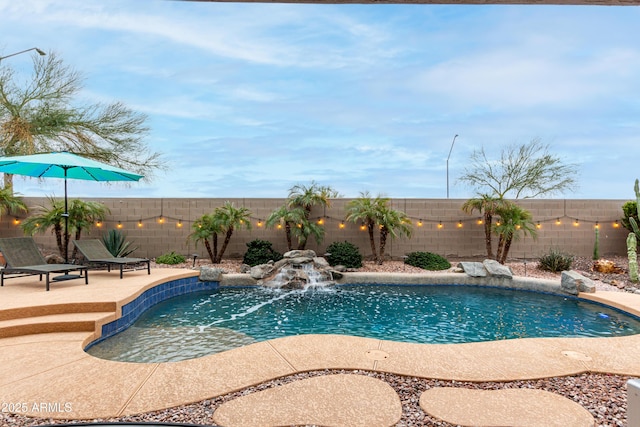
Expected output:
(53, 368)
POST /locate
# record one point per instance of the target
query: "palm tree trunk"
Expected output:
(501, 242)
(209, 251)
(227, 238)
(505, 251)
(372, 241)
(57, 230)
(287, 232)
(488, 222)
(215, 248)
(383, 243)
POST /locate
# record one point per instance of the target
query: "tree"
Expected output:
(81, 216)
(524, 171)
(365, 210)
(514, 222)
(392, 223)
(230, 219)
(224, 220)
(203, 229)
(375, 213)
(305, 198)
(11, 203)
(43, 115)
(488, 206)
(288, 218)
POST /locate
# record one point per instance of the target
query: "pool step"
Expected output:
(63, 322)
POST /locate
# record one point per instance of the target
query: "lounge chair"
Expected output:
(24, 258)
(95, 252)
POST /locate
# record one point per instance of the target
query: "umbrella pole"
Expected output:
(66, 221)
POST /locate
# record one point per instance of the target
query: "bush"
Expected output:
(116, 243)
(260, 252)
(556, 261)
(344, 253)
(171, 258)
(427, 261)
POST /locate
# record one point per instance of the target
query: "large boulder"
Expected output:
(210, 274)
(495, 269)
(307, 253)
(261, 271)
(473, 269)
(573, 283)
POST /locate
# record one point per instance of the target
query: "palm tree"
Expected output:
(365, 210)
(81, 216)
(289, 218)
(392, 223)
(48, 217)
(514, 221)
(203, 229)
(305, 198)
(377, 214)
(229, 218)
(487, 206)
(11, 203)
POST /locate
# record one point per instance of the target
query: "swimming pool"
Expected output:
(208, 322)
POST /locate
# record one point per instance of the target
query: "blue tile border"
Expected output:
(132, 310)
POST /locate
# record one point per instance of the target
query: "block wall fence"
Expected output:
(439, 226)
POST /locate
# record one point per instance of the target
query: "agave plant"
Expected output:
(116, 243)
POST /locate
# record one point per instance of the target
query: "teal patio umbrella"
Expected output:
(64, 165)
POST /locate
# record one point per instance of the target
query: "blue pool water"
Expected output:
(208, 322)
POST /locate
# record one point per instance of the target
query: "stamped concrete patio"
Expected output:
(46, 373)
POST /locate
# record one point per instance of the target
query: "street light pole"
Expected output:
(40, 52)
(450, 150)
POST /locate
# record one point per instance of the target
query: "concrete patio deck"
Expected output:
(46, 373)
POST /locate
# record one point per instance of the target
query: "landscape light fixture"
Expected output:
(450, 150)
(40, 52)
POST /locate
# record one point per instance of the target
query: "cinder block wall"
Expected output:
(459, 236)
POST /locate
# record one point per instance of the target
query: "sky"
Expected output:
(248, 100)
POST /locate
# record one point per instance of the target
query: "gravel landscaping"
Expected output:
(604, 396)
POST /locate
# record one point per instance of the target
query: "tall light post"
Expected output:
(450, 150)
(40, 52)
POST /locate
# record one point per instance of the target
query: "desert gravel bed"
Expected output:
(604, 396)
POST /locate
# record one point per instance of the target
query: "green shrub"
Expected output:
(171, 258)
(427, 261)
(556, 261)
(260, 252)
(344, 253)
(116, 243)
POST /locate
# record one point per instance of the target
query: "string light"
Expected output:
(459, 224)
(597, 226)
(321, 221)
(259, 223)
(363, 227)
(440, 225)
(98, 224)
(179, 223)
(119, 224)
(279, 227)
(419, 223)
(538, 225)
(616, 224)
(480, 221)
(576, 223)
(341, 224)
(140, 224)
(558, 221)
(16, 221)
(161, 220)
